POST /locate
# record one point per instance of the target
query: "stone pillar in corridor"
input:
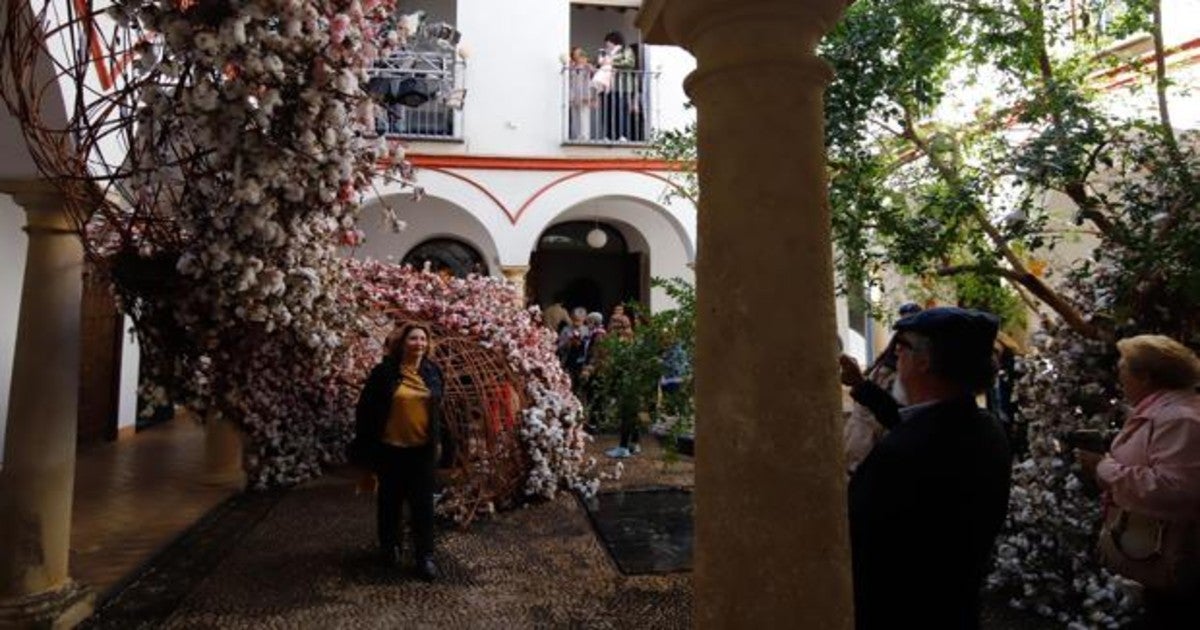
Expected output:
(222, 452)
(772, 543)
(516, 274)
(38, 478)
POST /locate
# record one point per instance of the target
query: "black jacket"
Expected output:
(925, 508)
(375, 406)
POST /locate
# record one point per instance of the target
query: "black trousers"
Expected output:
(630, 429)
(614, 115)
(406, 476)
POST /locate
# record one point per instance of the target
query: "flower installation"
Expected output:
(485, 311)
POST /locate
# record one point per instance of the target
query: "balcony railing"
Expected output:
(608, 106)
(419, 95)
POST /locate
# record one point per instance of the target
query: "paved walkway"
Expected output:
(134, 496)
(306, 558)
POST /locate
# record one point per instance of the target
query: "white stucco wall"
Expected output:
(515, 103)
(130, 364)
(673, 65)
(12, 270)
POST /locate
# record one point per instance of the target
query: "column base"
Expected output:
(62, 608)
(235, 479)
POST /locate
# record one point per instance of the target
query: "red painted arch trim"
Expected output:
(494, 163)
(512, 217)
(544, 189)
(1148, 58)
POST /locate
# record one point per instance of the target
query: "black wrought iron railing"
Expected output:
(419, 95)
(608, 106)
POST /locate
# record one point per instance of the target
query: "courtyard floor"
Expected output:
(305, 558)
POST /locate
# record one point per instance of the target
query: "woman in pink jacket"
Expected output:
(1153, 465)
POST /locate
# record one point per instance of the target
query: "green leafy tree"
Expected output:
(629, 371)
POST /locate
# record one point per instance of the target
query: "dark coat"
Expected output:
(375, 406)
(925, 508)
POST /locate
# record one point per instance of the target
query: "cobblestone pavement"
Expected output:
(306, 559)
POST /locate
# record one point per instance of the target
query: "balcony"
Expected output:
(420, 95)
(609, 107)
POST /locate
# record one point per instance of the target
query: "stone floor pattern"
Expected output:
(305, 558)
(309, 561)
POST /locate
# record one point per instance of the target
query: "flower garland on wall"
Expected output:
(488, 310)
(251, 156)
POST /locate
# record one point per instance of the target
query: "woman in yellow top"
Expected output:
(398, 431)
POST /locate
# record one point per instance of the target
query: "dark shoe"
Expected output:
(390, 555)
(427, 570)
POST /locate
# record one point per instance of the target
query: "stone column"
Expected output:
(516, 275)
(222, 452)
(772, 543)
(38, 478)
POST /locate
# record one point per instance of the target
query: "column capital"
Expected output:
(34, 194)
(737, 39)
(44, 204)
(687, 23)
(511, 271)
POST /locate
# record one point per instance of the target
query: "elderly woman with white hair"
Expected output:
(1151, 478)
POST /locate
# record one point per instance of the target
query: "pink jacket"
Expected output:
(1154, 465)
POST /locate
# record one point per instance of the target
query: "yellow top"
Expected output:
(408, 424)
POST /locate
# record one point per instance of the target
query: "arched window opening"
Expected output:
(447, 256)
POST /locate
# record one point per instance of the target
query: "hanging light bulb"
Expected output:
(597, 238)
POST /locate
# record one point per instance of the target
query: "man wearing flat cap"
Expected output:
(927, 503)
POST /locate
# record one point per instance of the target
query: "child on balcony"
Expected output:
(582, 97)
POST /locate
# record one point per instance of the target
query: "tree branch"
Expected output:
(1026, 280)
(1160, 85)
(1018, 273)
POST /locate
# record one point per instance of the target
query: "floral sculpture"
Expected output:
(487, 312)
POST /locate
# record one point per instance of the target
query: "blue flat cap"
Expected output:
(909, 308)
(963, 325)
(964, 338)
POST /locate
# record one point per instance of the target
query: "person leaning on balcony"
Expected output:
(398, 432)
(926, 504)
(614, 102)
(1151, 478)
(582, 95)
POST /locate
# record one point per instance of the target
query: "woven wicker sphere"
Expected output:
(481, 409)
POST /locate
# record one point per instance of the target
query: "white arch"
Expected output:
(645, 230)
(640, 203)
(463, 191)
(432, 217)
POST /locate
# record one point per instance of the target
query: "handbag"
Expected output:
(1159, 554)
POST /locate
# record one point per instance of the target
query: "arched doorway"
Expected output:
(574, 266)
(447, 256)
